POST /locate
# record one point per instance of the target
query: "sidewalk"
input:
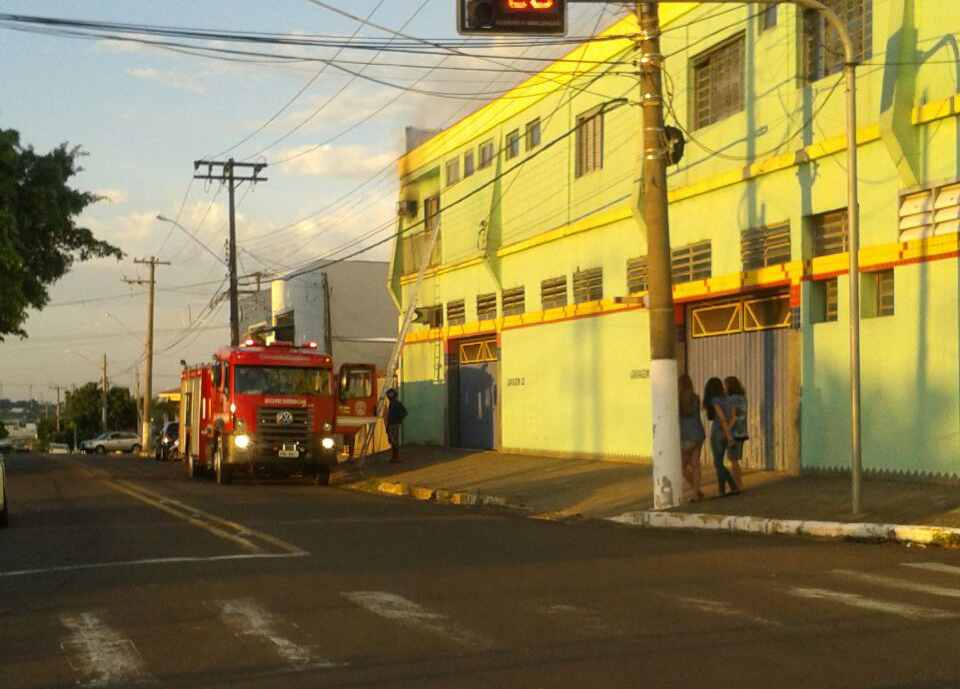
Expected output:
(552, 488)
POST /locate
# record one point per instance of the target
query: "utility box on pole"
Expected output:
(538, 17)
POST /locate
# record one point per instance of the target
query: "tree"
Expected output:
(83, 409)
(3, 431)
(39, 238)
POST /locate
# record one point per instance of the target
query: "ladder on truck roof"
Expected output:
(390, 378)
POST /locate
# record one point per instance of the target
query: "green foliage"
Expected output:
(3, 431)
(83, 409)
(39, 240)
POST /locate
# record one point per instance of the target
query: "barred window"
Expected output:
(587, 285)
(691, 262)
(823, 50)
(513, 144)
(431, 316)
(456, 312)
(486, 154)
(829, 232)
(553, 292)
(486, 306)
(718, 82)
(930, 212)
(513, 301)
(878, 292)
(468, 164)
(589, 142)
(765, 246)
(636, 275)
(453, 171)
(431, 212)
(825, 306)
(533, 134)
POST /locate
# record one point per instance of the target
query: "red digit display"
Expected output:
(527, 5)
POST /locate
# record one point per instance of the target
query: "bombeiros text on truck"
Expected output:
(271, 409)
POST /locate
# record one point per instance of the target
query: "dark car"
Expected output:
(167, 442)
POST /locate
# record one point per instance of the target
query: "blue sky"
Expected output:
(144, 115)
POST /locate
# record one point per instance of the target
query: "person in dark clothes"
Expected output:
(396, 413)
(720, 413)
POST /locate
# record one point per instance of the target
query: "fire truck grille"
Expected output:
(273, 429)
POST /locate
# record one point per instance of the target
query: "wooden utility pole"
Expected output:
(146, 437)
(103, 394)
(667, 477)
(226, 172)
(327, 322)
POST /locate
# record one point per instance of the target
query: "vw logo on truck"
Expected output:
(285, 418)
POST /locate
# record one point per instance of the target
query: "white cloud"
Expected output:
(337, 161)
(168, 79)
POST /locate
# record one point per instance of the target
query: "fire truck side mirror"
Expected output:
(215, 374)
(343, 385)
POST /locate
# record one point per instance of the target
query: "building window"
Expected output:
(636, 275)
(487, 306)
(690, 262)
(717, 319)
(823, 51)
(930, 212)
(587, 285)
(553, 292)
(486, 154)
(718, 82)
(468, 164)
(765, 246)
(878, 294)
(513, 301)
(414, 246)
(589, 142)
(829, 232)
(513, 144)
(533, 134)
(431, 213)
(456, 312)
(430, 316)
(766, 313)
(767, 16)
(824, 307)
(453, 171)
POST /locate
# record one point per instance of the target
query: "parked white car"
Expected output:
(3, 493)
(112, 441)
(58, 449)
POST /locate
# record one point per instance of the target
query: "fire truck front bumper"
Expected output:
(317, 450)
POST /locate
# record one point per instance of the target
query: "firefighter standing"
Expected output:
(396, 413)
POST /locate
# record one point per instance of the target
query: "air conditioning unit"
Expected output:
(407, 208)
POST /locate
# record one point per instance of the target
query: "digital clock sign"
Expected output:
(534, 17)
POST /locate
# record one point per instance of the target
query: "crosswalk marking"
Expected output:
(902, 584)
(933, 567)
(250, 619)
(716, 607)
(390, 606)
(102, 655)
(857, 601)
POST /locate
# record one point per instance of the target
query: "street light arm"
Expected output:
(163, 218)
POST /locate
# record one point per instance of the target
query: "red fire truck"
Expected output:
(271, 409)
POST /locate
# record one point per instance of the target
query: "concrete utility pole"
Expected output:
(103, 394)
(853, 232)
(146, 436)
(57, 388)
(667, 477)
(227, 173)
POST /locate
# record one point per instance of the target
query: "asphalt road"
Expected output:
(117, 571)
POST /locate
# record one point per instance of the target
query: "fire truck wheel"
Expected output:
(220, 469)
(322, 477)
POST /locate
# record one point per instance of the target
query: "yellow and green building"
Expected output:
(530, 347)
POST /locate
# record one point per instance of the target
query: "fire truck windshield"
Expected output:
(281, 380)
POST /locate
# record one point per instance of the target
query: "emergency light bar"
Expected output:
(540, 17)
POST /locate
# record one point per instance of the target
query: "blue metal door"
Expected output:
(477, 394)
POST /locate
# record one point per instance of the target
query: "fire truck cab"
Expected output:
(271, 409)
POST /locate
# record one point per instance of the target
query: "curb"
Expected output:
(947, 537)
(438, 495)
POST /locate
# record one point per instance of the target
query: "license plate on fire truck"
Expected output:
(289, 452)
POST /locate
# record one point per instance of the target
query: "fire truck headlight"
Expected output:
(241, 441)
(328, 443)
(327, 426)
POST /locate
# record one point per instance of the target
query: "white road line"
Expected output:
(149, 561)
(913, 612)
(250, 619)
(393, 607)
(933, 567)
(716, 607)
(903, 584)
(101, 654)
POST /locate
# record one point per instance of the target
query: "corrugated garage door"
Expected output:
(746, 338)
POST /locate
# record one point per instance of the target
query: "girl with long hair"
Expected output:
(738, 429)
(692, 435)
(720, 412)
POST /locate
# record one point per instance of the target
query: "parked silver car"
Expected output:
(112, 441)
